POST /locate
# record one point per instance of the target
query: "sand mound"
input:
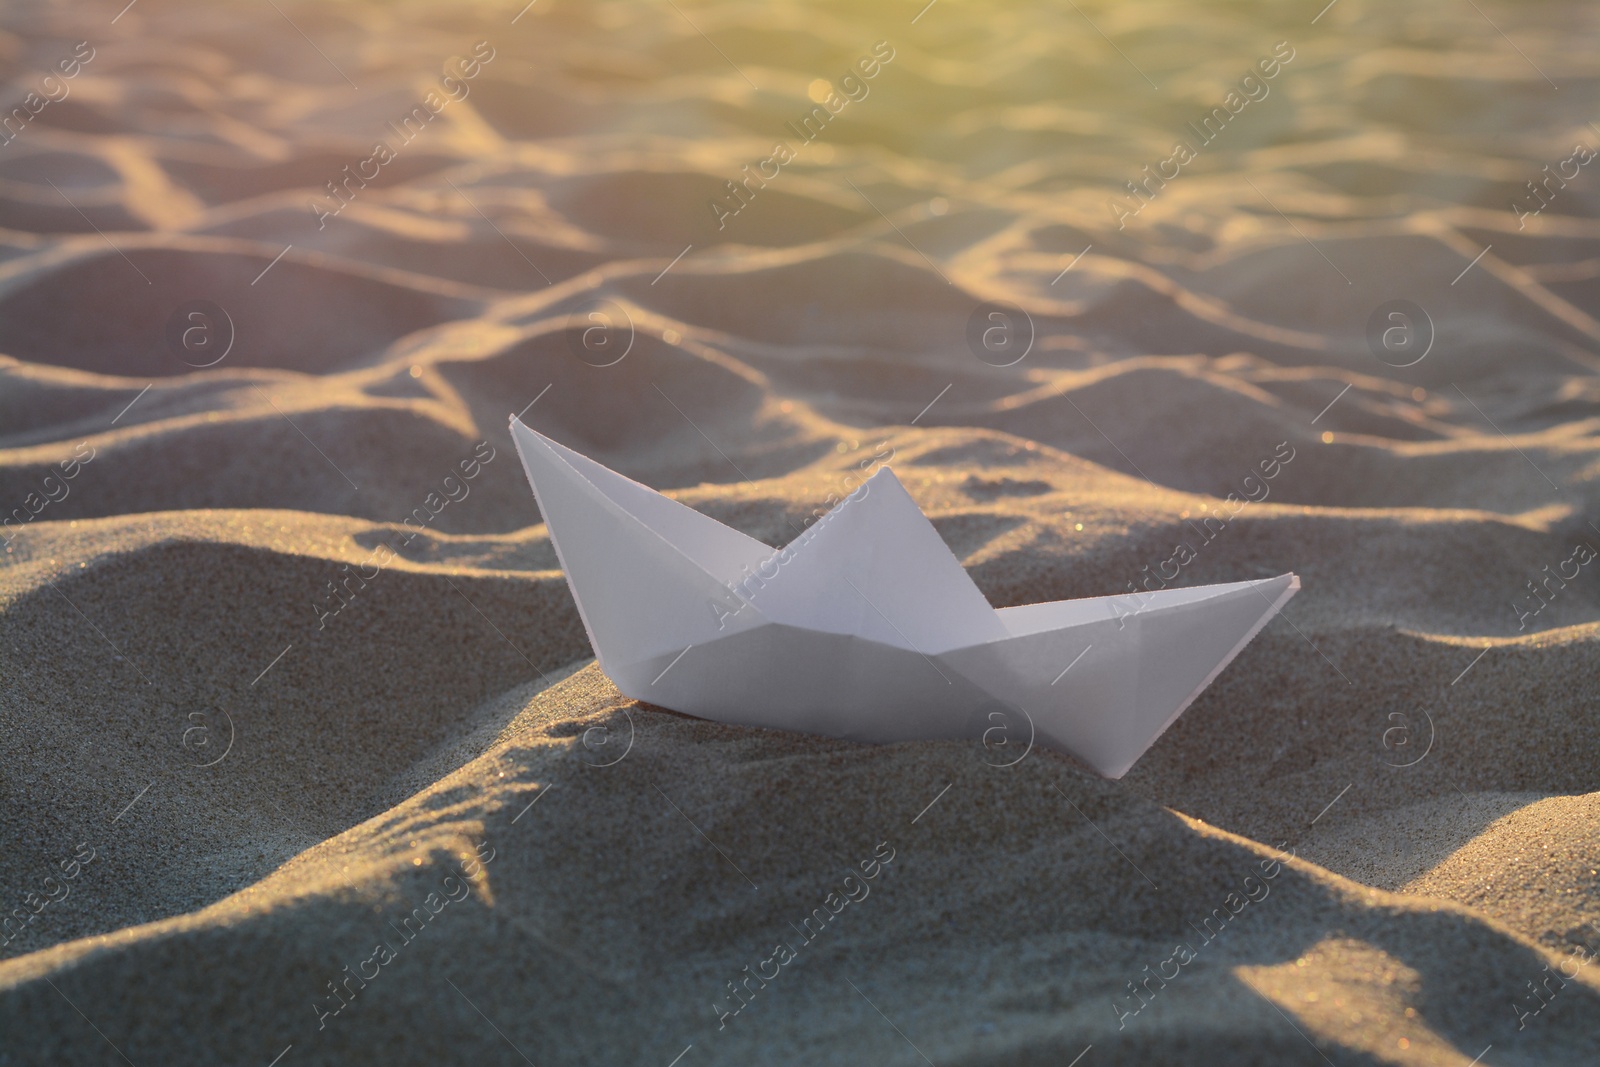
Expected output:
(678, 914)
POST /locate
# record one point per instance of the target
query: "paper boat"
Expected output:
(867, 627)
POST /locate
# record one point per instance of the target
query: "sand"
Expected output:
(245, 820)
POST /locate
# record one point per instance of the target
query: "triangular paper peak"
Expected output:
(875, 566)
(720, 550)
(867, 627)
(638, 592)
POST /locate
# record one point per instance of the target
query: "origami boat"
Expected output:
(867, 627)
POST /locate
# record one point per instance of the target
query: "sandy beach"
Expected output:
(305, 756)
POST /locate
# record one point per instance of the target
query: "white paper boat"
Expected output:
(866, 627)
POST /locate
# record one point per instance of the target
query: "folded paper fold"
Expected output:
(867, 627)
